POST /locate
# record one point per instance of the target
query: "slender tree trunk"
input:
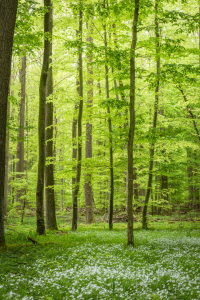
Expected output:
(8, 10)
(190, 178)
(6, 165)
(10, 160)
(26, 164)
(63, 191)
(195, 179)
(74, 150)
(51, 223)
(41, 126)
(110, 138)
(152, 145)
(88, 147)
(79, 152)
(164, 178)
(10, 172)
(20, 144)
(13, 179)
(135, 186)
(132, 127)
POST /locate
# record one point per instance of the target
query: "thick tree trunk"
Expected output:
(132, 127)
(41, 126)
(79, 151)
(20, 144)
(88, 146)
(8, 10)
(51, 223)
(152, 145)
(110, 139)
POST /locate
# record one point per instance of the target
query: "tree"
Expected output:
(88, 146)
(110, 133)
(6, 163)
(20, 144)
(132, 126)
(8, 11)
(79, 123)
(49, 169)
(41, 122)
(152, 144)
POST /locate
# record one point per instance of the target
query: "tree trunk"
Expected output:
(26, 164)
(152, 145)
(195, 179)
(110, 138)
(20, 144)
(132, 127)
(190, 179)
(79, 152)
(88, 146)
(74, 148)
(41, 126)
(164, 178)
(8, 10)
(51, 223)
(13, 179)
(135, 186)
(6, 165)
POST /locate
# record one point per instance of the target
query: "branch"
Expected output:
(190, 112)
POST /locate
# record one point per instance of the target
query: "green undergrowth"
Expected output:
(95, 263)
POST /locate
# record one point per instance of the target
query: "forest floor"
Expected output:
(95, 263)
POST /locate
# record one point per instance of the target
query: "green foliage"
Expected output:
(175, 134)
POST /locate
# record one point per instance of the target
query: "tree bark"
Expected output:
(8, 10)
(88, 146)
(41, 125)
(51, 223)
(110, 138)
(152, 145)
(20, 144)
(6, 165)
(132, 127)
(74, 148)
(190, 178)
(79, 150)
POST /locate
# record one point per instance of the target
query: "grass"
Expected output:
(95, 263)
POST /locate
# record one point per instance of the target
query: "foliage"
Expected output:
(177, 145)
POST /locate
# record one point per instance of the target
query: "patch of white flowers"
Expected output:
(159, 267)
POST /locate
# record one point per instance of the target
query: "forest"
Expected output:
(99, 149)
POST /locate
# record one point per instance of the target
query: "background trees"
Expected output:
(175, 175)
